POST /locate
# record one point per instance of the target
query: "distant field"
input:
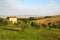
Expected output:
(29, 34)
(54, 19)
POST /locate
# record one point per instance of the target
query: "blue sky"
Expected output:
(34, 3)
(30, 7)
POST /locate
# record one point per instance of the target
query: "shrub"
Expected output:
(43, 25)
(58, 26)
(50, 25)
(24, 26)
(19, 22)
(25, 20)
(35, 25)
(28, 25)
(54, 26)
(40, 24)
(3, 21)
(32, 24)
(33, 18)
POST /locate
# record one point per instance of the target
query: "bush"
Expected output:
(19, 22)
(35, 25)
(43, 25)
(58, 26)
(24, 26)
(28, 25)
(54, 26)
(3, 21)
(25, 20)
(50, 25)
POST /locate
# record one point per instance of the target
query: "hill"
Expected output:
(52, 19)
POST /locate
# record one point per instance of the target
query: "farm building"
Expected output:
(13, 19)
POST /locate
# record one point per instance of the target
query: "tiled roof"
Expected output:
(12, 17)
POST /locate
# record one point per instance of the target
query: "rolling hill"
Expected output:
(53, 19)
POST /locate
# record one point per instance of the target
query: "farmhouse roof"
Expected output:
(12, 17)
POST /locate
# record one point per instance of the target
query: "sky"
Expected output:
(30, 7)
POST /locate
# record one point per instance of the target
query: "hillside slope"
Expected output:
(53, 19)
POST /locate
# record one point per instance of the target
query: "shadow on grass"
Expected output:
(11, 29)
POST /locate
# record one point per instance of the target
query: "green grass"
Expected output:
(29, 34)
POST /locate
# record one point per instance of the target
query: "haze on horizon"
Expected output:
(30, 7)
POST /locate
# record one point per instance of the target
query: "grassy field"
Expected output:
(29, 34)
